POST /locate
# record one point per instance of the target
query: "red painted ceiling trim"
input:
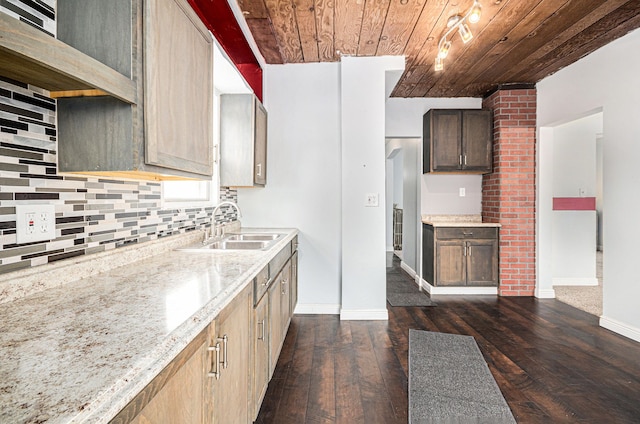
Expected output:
(219, 18)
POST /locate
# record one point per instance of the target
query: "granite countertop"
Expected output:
(456, 221)
(80, 352)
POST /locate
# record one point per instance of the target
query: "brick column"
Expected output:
(509, 193)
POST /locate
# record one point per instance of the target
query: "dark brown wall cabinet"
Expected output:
(457, 141)
(460, 256)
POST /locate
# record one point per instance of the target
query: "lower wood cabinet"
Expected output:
(221, 377)
(229, 377)
(279, 314)
(260, 368)
(177, 394)
(460, 256)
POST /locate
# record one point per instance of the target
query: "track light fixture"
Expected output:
(457, 22)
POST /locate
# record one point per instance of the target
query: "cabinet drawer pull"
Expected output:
(261, 323)
(215, 372)
(466, 234)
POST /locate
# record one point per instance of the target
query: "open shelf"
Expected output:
(30, 56)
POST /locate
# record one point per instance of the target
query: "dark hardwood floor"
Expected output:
(553, 363)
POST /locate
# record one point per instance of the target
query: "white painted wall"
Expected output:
(441, 194)
(608, 80)
(398, 170)
(404, 116)
(304, 175)
(363, 81)
(574, 157)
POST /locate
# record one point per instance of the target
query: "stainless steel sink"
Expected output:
(242, 241)
(237, 245)
(256, 236)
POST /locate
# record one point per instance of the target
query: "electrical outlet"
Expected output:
(371, 200)
(462, 191)
(35, 223)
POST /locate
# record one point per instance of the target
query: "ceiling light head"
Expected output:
(465, 33)
(444, 49)
(475, 12)
(439, 64)
(453, 20)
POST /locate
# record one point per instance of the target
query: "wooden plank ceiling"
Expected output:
(516, 41)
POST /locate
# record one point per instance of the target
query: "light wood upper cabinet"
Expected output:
(178, 93)
(243, 141)
(457, 141)
(168, 54)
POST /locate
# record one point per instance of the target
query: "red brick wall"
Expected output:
(509, 193)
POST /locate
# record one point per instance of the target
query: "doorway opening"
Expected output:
(576, 214)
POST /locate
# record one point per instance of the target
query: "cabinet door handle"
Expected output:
(262, 324)
(465, 250)
(465, 160)
(460, 160)
(259, 170)
(215, 372)
(225, 342)
(469, 246)
(283, 287)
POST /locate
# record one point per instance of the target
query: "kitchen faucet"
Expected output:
(218, 230)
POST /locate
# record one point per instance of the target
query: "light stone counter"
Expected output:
(80, 352)
(456, 221)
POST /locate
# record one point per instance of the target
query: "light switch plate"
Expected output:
(35, 223)
(371, 200)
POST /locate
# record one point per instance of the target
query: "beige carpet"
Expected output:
(586, 298)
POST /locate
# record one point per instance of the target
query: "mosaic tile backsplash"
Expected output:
(92, 214)
(37, 13)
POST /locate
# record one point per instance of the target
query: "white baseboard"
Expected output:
(408, 269)
(317, 308)
(621, 328)
(364, 315)
(570, 281)
(458, 290)
(545, 293)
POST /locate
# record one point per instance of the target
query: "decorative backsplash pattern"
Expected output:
(92, 214)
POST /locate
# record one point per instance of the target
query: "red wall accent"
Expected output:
(574, 203)
(219, 18)
(509, 193)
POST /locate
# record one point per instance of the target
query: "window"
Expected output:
(188, 193)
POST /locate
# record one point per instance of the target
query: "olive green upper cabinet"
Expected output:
(243, 141)
(168, 53)
(457, 141)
